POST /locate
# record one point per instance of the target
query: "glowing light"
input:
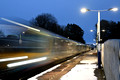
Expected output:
(20, 24)
(103, 30)
(26, 62)
(114, 9)
(94, 39)
(14, 58)
(83, 10)
(23, 32)
(94, 44)
(91, 30)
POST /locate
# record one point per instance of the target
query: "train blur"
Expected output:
(23, 48)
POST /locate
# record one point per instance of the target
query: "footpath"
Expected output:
(82, 67)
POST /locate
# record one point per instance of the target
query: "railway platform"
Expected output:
(82, 67)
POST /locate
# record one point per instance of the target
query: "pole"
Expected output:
(20, 40)
(98, 33)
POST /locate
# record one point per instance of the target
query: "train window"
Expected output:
(1, 34)
(12, 36)
(62, 40)
(32, 35)
(67, 41)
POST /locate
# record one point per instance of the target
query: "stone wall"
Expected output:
(110, 55)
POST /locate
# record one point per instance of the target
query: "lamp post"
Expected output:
(83, 10)
(20, 40)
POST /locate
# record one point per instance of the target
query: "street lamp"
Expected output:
(113, 9)
(91, 30)
(103, 30)
(83, 10)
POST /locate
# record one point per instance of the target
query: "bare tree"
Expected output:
(45, 20)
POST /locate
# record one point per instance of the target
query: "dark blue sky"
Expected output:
(65, 11)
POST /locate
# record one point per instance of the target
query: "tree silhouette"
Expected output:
(45, 20)
(115, 30)
(74, 32)
(109, 30)
(49, 22)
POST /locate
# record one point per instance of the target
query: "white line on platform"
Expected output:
(38, 75)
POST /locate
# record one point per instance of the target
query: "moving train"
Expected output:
(23, 48)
